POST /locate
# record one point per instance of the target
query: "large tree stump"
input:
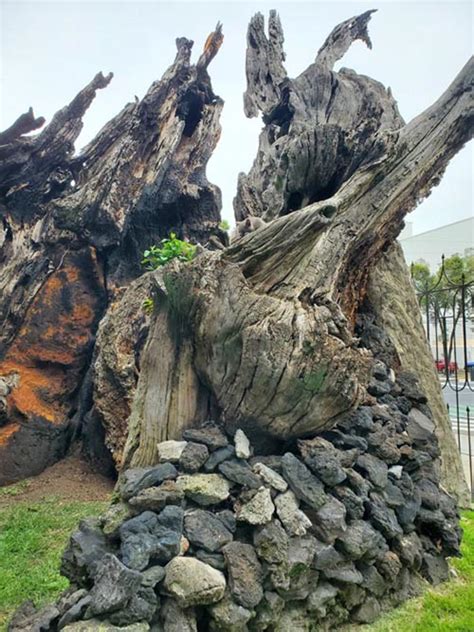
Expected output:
(72, 235)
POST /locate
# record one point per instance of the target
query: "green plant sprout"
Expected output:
(172, 248)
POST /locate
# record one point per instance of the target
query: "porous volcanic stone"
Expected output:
(97, 625)
(304, 485)
(176, 619)
(193, 583)
(383, 518)
(245, 574)
(204, 530)
(193, 457)
(323, 594)
(330, 520)
(210, 434)
(219, 456)
(242, 445)
(346, 573)
(271, 543)
(368, 611)
(259, 509)
(114, 586)
(295, 521)
(151, 536)
(135, 479)
(375, 469)
(240, 472)
(153, 576)
(170, 451)
(361, 541)
(216, 560)
(141, 607)
(270, 477)
(204, 489)
(229, 616)
(156, 498)
(86, 548)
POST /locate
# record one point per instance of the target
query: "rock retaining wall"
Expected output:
(336, 529)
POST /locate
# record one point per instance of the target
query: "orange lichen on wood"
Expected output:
(6, 432)
(53, 343)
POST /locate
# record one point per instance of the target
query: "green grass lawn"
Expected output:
(32, 537)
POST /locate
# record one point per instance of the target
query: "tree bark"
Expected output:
(73, 230)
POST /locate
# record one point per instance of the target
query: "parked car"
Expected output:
(441, 366)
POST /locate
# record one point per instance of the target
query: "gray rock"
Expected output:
(354, 504)
(86, 548)
(27, 618)
(352, 595)
(193, 457)
(322, 458)
(323, 594)
(368, 612)
(193, 583)
(204, 489)
(227, 517)
(383, 518)
(157, 498)
(268, 612)
(245, 574)
(96, 625)
(326, 556)
(114, 586)
(330, 520)
(373, 581)
(216, 560)
(304, 485)
(240, 472)
(170, 451)
(258, 510)
(396, 471)
(419, 428)
(141, 607)
(228, 616)
(219, 456)
(393, 496)
(434, 568)
(346, 573)
(242, 445)
(134, 480)
(271, 543)
(113, 518)
(153, 576)
(361, 541)
(209, 434)
(151, 537)
(378, 388)
(204, 530)
(177, 619)
(375, 469)
(295, 521)
(389, 565)
(75, 612)
(270, 477)
(409, 549)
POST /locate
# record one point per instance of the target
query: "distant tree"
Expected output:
(445, 294)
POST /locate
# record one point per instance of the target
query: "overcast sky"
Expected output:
(49, 50)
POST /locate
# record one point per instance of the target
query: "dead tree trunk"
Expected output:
(270, 340)
(72, 233)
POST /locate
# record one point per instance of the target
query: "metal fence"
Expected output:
(447, 306)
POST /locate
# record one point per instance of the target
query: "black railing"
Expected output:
(447, 307)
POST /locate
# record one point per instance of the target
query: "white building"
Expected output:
(428, 247)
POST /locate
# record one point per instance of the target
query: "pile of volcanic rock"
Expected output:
(212, 537)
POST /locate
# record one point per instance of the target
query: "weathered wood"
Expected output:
(72, 235)
(274, 332)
